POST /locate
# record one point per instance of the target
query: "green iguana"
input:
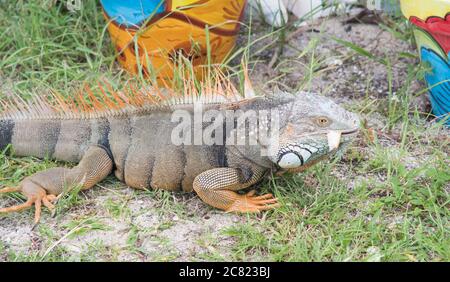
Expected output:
(130, 134)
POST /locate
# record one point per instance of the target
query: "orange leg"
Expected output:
(217, 187)
(42, 187)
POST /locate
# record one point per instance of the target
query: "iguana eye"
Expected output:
(322, 121)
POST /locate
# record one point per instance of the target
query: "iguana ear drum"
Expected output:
(290, 160)
(169, 29)
(296, 155)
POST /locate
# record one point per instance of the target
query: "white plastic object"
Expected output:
(274, 11)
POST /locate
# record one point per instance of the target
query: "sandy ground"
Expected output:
(164, 226)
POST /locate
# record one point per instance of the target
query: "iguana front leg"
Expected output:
(43, 187)
(217, 187)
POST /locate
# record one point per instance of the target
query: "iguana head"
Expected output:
(315, 129)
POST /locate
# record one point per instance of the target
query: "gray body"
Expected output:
(135, 143)
(140, 145)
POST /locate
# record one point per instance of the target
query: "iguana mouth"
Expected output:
(342, 132)
(349, 132)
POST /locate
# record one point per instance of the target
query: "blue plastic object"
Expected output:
(439, 82)
(132, 12)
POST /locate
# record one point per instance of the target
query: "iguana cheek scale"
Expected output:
(129, 134)
(297, 155)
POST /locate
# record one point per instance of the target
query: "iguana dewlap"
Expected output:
(130, 135)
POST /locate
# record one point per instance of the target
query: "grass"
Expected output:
(387, 199)
(404, 216)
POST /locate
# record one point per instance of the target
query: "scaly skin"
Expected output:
(137, 147)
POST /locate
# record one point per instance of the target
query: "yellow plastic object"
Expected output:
(174, 27)
(424, 9)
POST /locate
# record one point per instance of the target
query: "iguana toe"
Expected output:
(249, 203)
(35, 195)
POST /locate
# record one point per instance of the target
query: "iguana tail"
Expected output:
(6, 131)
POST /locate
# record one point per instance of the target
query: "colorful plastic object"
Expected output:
(431, 19)
(158, 31)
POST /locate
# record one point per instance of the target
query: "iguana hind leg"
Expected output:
(43, 187)
(217, 187)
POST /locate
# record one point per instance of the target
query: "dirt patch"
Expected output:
(142, 232)
(342, 73)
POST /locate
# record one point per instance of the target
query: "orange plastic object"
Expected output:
(171, 28)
